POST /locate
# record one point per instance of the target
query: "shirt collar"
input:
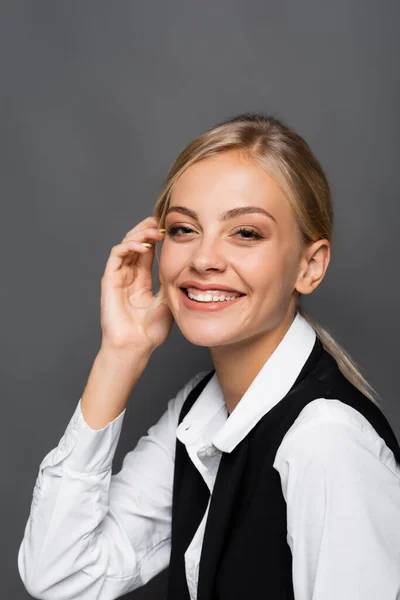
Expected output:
(209, 418)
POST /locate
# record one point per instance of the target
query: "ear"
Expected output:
(313, 264)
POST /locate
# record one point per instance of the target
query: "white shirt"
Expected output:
(92, 535)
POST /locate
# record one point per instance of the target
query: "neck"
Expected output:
(236, 365)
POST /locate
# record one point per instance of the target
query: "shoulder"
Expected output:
(329, 432)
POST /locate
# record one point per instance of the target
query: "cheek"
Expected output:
(260, 267)
(268, 270)
(170, 262)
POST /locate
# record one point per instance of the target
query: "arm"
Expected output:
(342, 489)
(94, 535)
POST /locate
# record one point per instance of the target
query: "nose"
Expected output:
(207, 255)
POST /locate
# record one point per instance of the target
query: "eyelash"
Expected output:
(172, 232)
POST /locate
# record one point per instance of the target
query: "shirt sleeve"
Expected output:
(93, 535)
(342, 488)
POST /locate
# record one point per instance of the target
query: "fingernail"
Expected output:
(147, 244)
(162, 230)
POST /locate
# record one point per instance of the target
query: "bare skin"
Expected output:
(130, 333)
(271, 271)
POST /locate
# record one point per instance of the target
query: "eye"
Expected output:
(254, 235)
(173, 230)
(249, 234)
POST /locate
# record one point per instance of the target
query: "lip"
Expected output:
(208, 286)
(206, 306)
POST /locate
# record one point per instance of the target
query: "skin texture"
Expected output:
(270, 270)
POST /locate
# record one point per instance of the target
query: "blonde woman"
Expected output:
(274, 475)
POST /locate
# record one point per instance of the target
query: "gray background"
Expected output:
(97, 100)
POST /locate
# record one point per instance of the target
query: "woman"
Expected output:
(275, 474)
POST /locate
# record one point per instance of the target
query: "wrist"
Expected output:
(121, 356)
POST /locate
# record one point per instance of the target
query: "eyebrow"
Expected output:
(225, 216)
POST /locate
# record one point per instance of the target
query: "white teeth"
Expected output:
(210, 298)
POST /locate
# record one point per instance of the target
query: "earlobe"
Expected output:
(317, 264)
(302, 287)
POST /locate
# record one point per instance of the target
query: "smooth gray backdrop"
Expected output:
(97, 100)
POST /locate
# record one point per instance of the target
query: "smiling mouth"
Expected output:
(223, 292)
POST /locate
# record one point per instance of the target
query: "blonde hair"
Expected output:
(286, 156)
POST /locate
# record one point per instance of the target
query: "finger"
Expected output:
(148, 222)
(144, 234)
(120, 252)
(132, 257)
(142, 263)
(153, 236)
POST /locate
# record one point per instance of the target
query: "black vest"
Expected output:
(245, 553)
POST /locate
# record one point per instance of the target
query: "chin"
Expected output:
(207, 339)
(235, 341)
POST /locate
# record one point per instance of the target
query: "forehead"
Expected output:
(231, 179)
